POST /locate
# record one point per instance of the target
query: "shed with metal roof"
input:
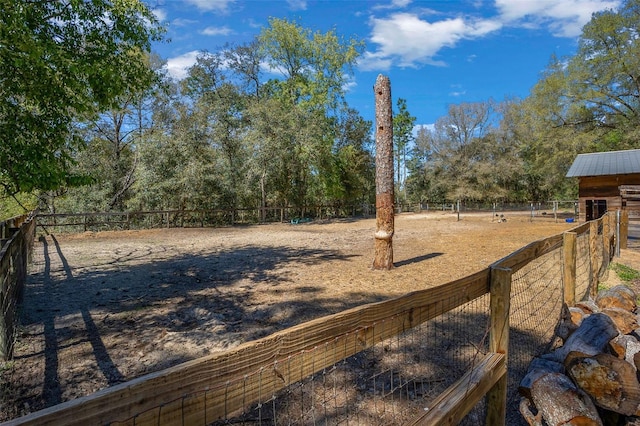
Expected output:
(607, 181)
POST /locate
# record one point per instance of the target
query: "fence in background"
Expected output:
(426, 357)
(103, 221)
(16, 241)
(108, 221)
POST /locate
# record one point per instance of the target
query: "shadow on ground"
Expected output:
(134, 316)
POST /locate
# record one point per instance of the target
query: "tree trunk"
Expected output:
(625, 321)
(610, 381)
(571, 319)
(587, 306)
(538, 368)
(593, 335)
(626, 347)
(619, 296)
(561, 403)
(383, 253)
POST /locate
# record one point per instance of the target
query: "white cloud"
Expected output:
(408, 41)
(457, 90)
(297, 4)
(220, 6)
(563, 18)
(216, 31)
(371, 61)
(349, 83)
(395, 4)
(458, 93)
(411, 40)
(180, 22)
(177, 67)
(160, 14)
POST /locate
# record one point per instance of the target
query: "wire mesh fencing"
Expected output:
(536, 308)
(384, 363)
(391, 382)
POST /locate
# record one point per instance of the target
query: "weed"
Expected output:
(625, 273)
(6, 366)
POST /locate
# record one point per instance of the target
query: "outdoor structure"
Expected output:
(607, 181)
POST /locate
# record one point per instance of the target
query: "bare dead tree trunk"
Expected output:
(383, 253)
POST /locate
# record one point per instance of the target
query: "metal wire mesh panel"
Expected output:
(599, 253)
(387, 384)
(536, 307)
(583, 267)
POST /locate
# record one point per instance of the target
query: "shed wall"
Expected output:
(607, 188)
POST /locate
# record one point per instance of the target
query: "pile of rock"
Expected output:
(592, 379)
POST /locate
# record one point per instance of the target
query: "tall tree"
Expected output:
(110, 156)
(220, 107)
(314, 67)
(403, 124)
(417, 184)
(604, 75)
(246, 63)
(62, 62)
(455, 147)
(584, 103)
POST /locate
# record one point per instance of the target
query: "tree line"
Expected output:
(521, 149)
(266, 123)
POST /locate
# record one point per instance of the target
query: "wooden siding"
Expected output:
(607, 188)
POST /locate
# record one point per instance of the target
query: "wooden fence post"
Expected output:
(607, 230)
(624, 228)
(5, 353)
(499, 341)
(595, 268)
(569, 249)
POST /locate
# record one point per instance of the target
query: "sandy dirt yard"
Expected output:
(103, 308)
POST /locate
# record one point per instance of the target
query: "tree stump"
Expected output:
(383, 250)
(593, 335)
(610, 381)
(561, 402)
(619, 296)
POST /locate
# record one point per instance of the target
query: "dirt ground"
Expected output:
(103, 308)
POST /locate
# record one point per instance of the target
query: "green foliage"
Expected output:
(89, 121)
(584, 103)
(626, 273)
(17, 205)
(403, 123)
(315, 65)
(220, 139)
(464, 158)
(63, 62)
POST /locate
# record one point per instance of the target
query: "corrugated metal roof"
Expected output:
(606, 163)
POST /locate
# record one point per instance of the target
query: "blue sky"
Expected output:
(436, 52)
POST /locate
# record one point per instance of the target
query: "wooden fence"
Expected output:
(16, 242)
(100, 221)
(215, 388)
(103, 221)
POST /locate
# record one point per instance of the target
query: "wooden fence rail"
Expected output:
(175, 218)
(196, 218)
(213, 387)
(16, 241)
